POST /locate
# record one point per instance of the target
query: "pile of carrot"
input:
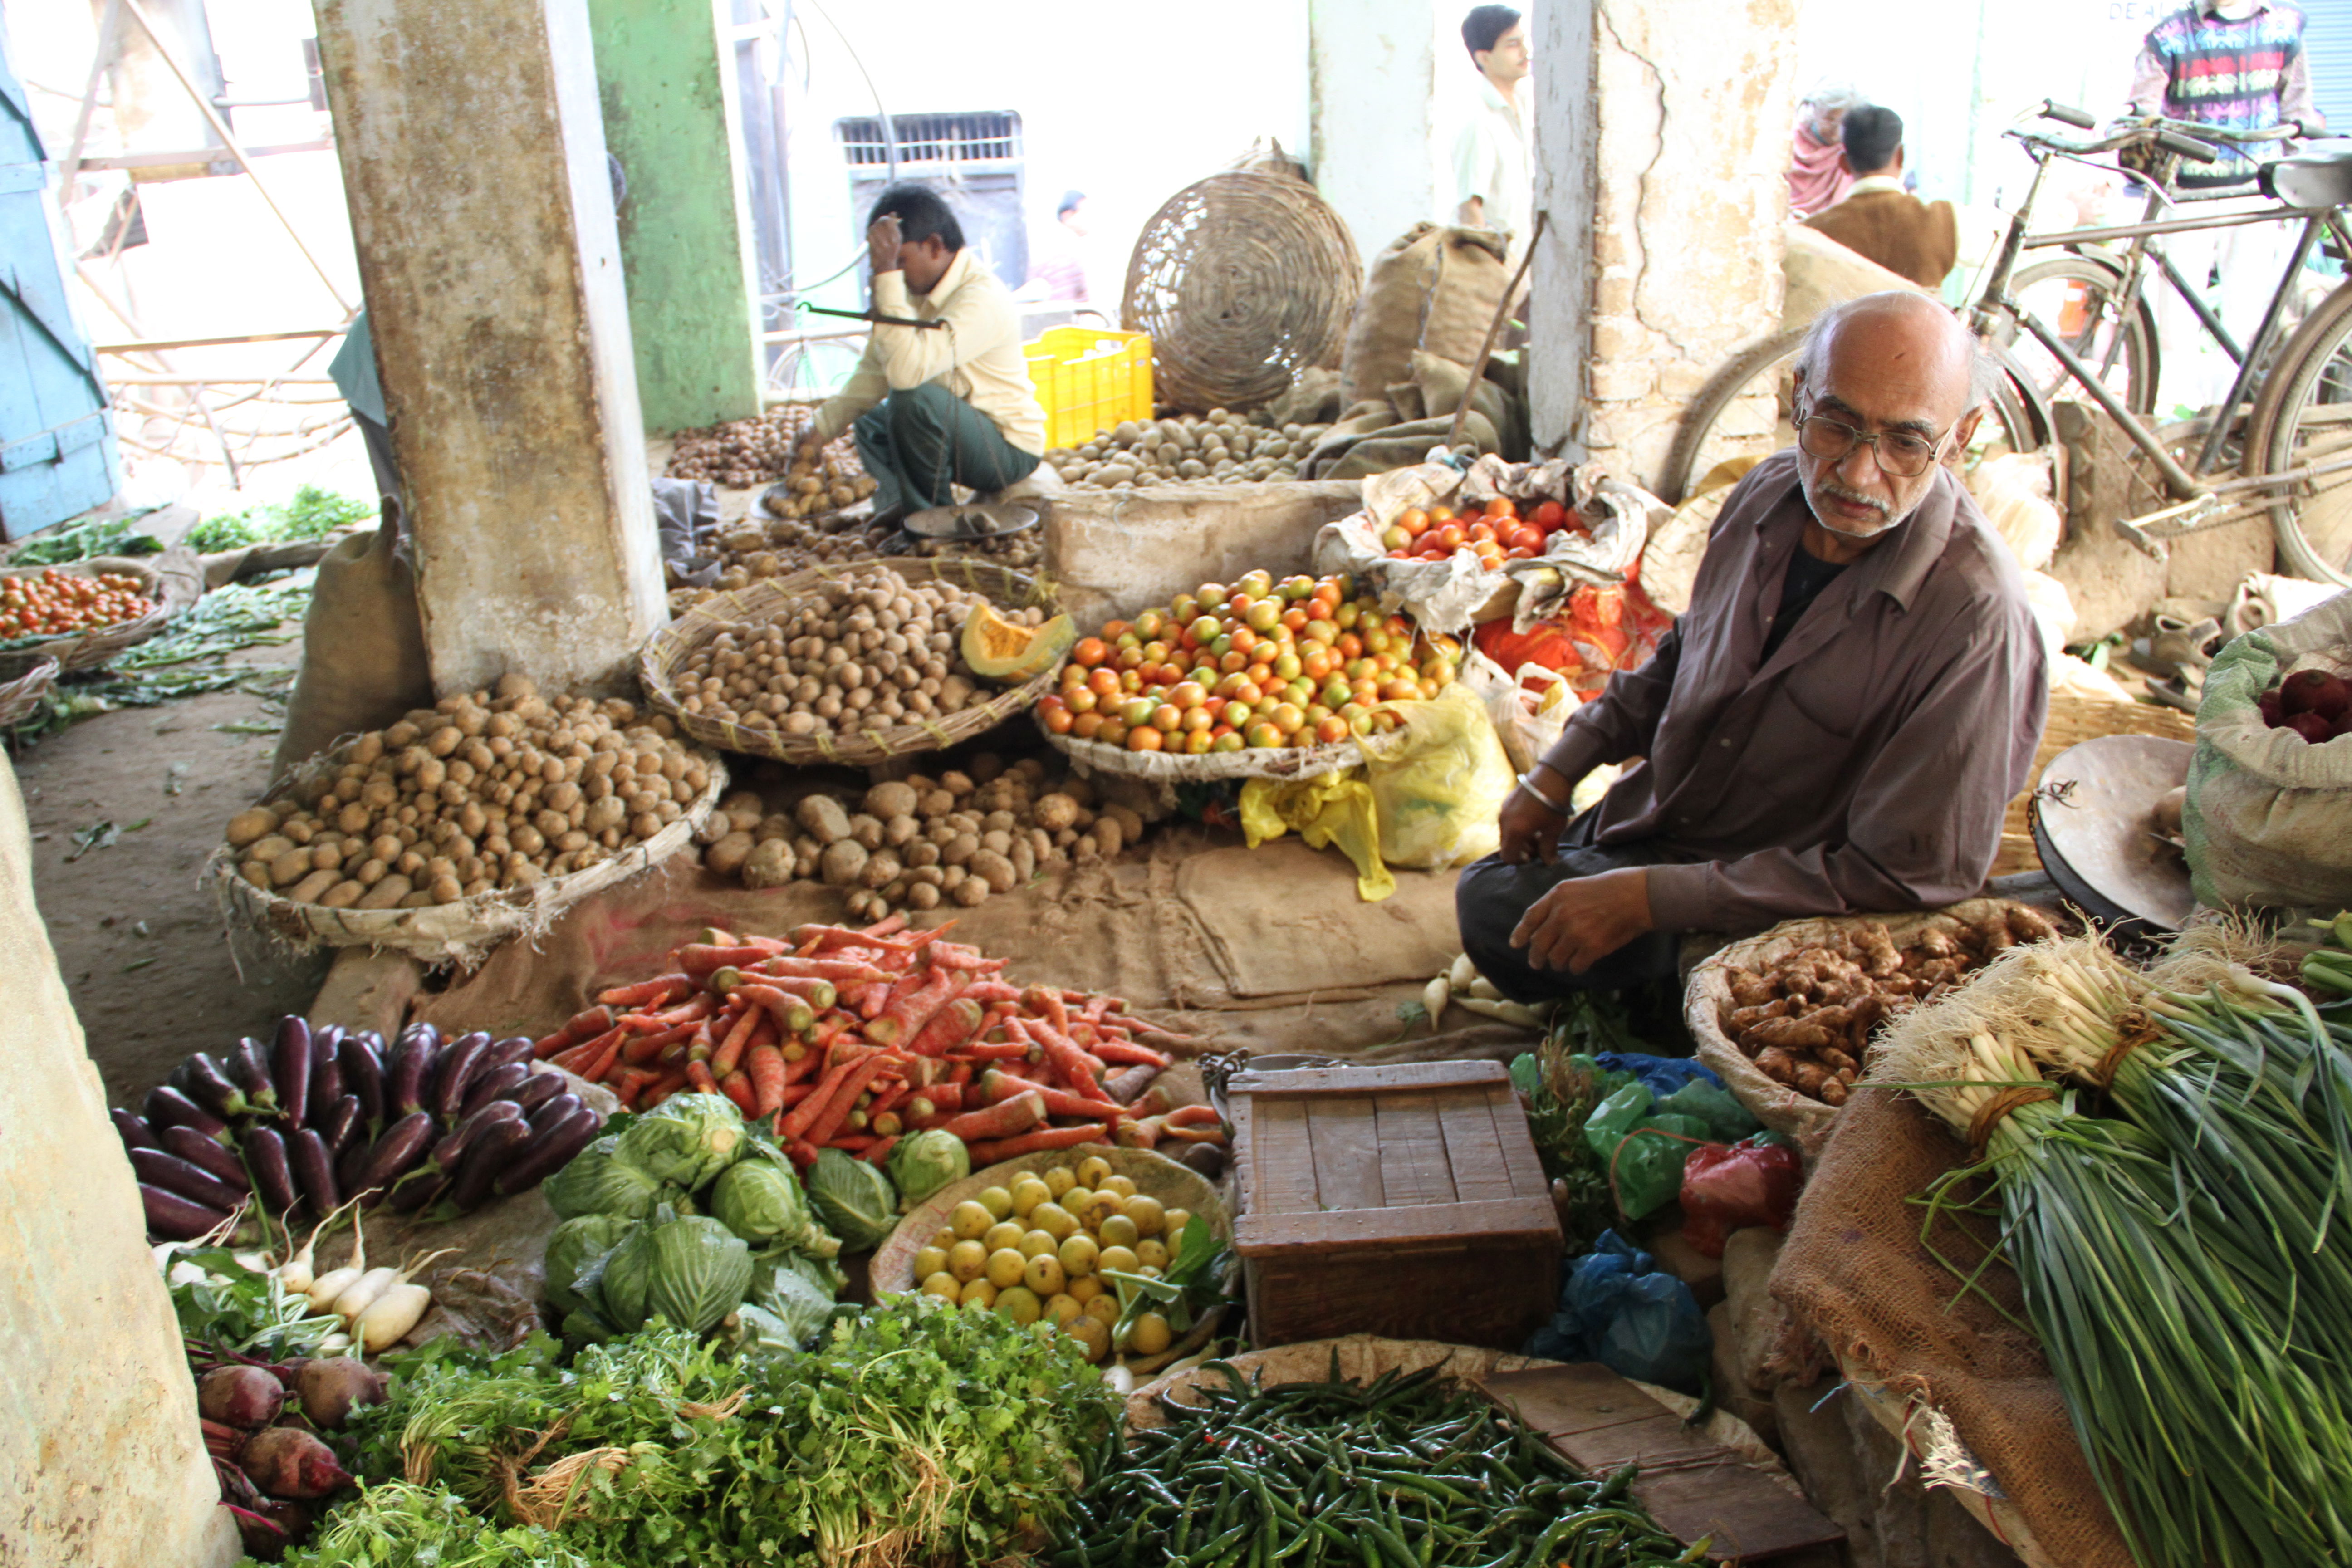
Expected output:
(850, 1038)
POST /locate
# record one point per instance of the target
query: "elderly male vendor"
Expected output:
(1836, 725)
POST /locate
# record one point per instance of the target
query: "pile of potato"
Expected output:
(479, 793)
(742, 453)
(826, 483)
(1220, 449)
(922, 842)
(868, 650)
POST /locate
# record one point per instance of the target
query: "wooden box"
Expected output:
(1404, 1201)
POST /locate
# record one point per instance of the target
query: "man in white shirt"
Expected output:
(935, 407)
(1491, 182)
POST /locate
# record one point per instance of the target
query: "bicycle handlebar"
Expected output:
(2052, 109)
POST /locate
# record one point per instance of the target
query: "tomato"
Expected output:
(1549, 515)
(1087, 726)
(1103, 682)
(1439, 514)
(1480, 533)
(1144, 738)
(1450, 537)
(1331, 731)
(1395, 540)
(1501, 506)
(1060, 721)
(1295, 620)
(1263, 736)
(1197, 742)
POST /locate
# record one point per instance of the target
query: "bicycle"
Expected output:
(2298, 429)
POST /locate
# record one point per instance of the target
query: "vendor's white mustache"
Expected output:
(1831, 488)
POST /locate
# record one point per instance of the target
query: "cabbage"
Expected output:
(794, 1298)
(688, 1139)
(598, 1181)
(826, 1273)
(573, 1248)
(755, 1331)
(626, 1287)
(759, 1200)
(923, 1164)
(584, 1327)
(857, 1201)
(700, 1272)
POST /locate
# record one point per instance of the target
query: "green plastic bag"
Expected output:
(1642, 1152)
(1728, 1121)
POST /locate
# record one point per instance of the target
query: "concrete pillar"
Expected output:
(667, 81)
(101, 1461)
(473, 155)
(1661, 145)
(1373, 115)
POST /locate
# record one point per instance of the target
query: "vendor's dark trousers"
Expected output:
(918, 442)
(1492, 894)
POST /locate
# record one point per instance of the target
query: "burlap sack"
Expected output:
(1855, 1273)
(363, 662)
(1433, 289)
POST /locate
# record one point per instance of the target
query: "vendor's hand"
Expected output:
(1581, 922)
(882, 242)
(1530, 829)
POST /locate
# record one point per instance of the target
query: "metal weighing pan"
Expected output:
(989, 521)
(2093, 814)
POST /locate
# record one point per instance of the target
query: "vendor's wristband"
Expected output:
(1527, 782)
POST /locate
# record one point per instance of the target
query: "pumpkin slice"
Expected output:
(1000, 650)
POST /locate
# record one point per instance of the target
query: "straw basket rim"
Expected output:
(173, 590)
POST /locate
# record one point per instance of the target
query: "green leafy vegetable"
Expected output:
(686, 1139)
(312, 513)
(597, 1181)
(857, 1201)
(924, 1162)
(224, 1304)
(114, 536)
(798, 1302)
(701, 1271)
(759, 1200)
(1193, 1282)
(395, 1525)
(571, 1248)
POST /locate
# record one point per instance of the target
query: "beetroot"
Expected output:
(2311, 727)
(332, 1385)
(2273, 711)
(2315, 691)
(278, 1524)
(288, 1462)
(246, 1396)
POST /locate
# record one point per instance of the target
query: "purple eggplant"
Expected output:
(352, 1158)
(451, 1147)
(556, 1107)
(513, 1048)
(289, 1066)
(173, 1174)
(204, 1154)
(460, 1065)
(176, 1219)
(136, 1133)
(490, 1154)
(411, 1069)
(249, 1068)
(209, 1085)
(498, 1083)
(167, 1107)
(419, 1191)
(326, 1073)
(345, 1127)
(403, 1144)
(538, 1090)
(361, 1055)
(314, 1169)
(273, 1173)
(551, 1149)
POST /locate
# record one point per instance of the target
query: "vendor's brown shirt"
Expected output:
(1867, 764)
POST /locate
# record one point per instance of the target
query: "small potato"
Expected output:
(386, 894)
(343, 895)
(728, 854)
(312, 888)
(251, 825)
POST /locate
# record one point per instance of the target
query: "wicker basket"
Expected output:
(1181, 767)
(174, 580)
(1242, 280)
(659, 664)
(24, 679)
(460, 932)
(2074, 719)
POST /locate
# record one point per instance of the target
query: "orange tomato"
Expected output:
(1103, 682)
(1501, 506)
(1450, 537)
(1480, 533)
(1086, 726)
(1197, 742)
(1441, 514)
(1090, 651)
(1295, 619)
(1412, 520)
(1060, 721)
(1187, 694)
(1549, 515)
(1144, 738)
(1331, 731)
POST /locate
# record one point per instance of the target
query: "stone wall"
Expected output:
(1114, 555)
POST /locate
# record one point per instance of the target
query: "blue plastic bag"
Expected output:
(1662, 1074)
(1616, 1307)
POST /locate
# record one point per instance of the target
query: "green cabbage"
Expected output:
(598, 1181)
(759, 1199)
(572, 1247)
(857, 1201)
(584, 1327)
(699, 1271)
(794, 1298)
(755, 1331)
(688, 1139)
(924, 1162)
(825, 1273)
(626, 1287)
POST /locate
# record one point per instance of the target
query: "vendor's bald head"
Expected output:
(1896, 365)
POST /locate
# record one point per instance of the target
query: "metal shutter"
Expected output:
(2327, 44)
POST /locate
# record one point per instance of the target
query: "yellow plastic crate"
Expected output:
(1090, 379)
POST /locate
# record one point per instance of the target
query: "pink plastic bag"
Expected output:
(1728, 1186)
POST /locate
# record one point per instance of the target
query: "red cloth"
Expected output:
(1816, 178)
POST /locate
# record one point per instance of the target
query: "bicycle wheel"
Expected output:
(2074, 296)
(2302, 417)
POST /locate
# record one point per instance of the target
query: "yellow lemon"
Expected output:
(943, 1285)
(1151, 1253)
(1117, 1230)
(1092, 1170)
(966, 1259)
(1174, 1227)
(1090, 1332)
(1104, 1310)
(1120, 1260)
(1061, 1308)
(1053, 1220)
(1079, 1255)
(1060, 1180)
(1150, 1218)
(1037, 1244)
(944, 1238)
(1083, 1288)
(978, 1293)
(1019, 1304)
(1005, 1267)
(1150, 1334)
(1146, 1271)
(970, 1221)
(1003, 1235)
(1044, 1275)
(1028, 1191)
(1098, 1208)
(996, 1201)
(930, 1261)
(1123, 1185)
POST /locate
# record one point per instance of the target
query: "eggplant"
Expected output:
(167, 1107)
(490, 1154)
(556, 1107)
(209, 1085)
(249, 1068)
(513, 1048)
(204, 1154)
(412, 1195)
(453, 1144)
(176, 1219)
(460, 1065)
(136, 1133)
(326, 1074)
(361, 1055)
(403, 1144)
(498, 1083)
(173, 1174)
(538, 1090)
(289, 1068)
(273, 1175)
(551, 1149)
(346, 1126)
(411, 1069)
(314, 1169)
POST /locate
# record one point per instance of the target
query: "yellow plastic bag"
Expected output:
(1331, 808)
(1438, 783)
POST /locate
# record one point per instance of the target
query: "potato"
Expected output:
(1056, 811)
(1131, 824)
(971, 892)
(251, 825)
(310, 889)
(343, 895)
(824, 817)
(743, 809)
(843, 863)
(727, 854)
(996, 869)
(882, 869)
(867, 830)
(888, 799)
(386, 894)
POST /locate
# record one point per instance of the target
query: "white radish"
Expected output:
(1486, 989)
(333, 1342)
(1463, 972)
(327, 1287)
(363, 1291)
(252, 1262)
(295, 1273)
(389, 1318)
(1504, 1012)
(1433, 998)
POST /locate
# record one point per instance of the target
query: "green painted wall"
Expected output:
(658, 68)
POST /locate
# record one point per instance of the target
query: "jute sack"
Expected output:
(1433, 289)
(363, 662)
(2265, 823)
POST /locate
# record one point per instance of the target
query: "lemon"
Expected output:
(1061, 1308)
(1019, 1304)
(1037, 1244)
(1120, 1260)
(1150, 1334)
(978, 1293)
(996, 1201)
(1093, 1170)
(1028, 1191)
(1005, 1267)
(1123, 1185)
(1079, 1255)
(1117, 1230)
(970, 1220)
(1092, 1333)
(966, 1259)
(1150, 1218)
(1174, 1227)
(1146, 1271)
(1003, 1235)
(1044, 1275)
(1098, 1208)
(1083, 1288)
(930, 1261)
(1104, 1310)
(1053, 1220)
(1060, 1180)
(943, 1285)
(944, 1238)
(1150, 1254)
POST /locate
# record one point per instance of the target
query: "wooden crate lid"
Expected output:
(1419, 1155)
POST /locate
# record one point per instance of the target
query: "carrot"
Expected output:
(803, 1067)
(1006, 1119)
(737, 1087)
(633, 1082)
(695, 1007)
(701, 960)
(956, 955)
(655, 1047)
(993, 991)
(802, 1153)
(1126, 1054)
(990, 1153)
(960, 1073)
(796, 1124)
(698, 1076)
(766, 1070)
(828, 1120)
(1071, 1065)
(583, 1059)
(795, 1093)
(908, 1010)
(585, 1025)
(778, 993)
(662, 1088)
(1047, 1003)
(833, 969)
(880, 1149)
(999, 1086)
(1005, 1051)
(853, 1142)
(651, 993)
(876, 1002)
(876, 936)
(946, 1097)
(885, 1100)
(730, 1049)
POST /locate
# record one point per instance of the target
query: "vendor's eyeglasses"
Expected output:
(1902, 453)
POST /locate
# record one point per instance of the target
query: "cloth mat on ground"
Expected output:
(1855, 1273)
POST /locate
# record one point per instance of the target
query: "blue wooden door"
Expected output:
(58, 455)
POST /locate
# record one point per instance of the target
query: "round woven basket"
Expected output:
(24, 679)
(658, 665)
(460, 933)
(1179, 767)
(173, 581)
(1242, 280)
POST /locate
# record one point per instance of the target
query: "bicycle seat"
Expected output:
(2319, 175)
